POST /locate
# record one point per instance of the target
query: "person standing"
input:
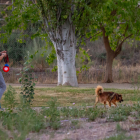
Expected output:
(2, 82)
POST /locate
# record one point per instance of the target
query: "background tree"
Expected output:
(64, 22)
(115, 21)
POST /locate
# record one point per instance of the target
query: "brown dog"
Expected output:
(107, 97)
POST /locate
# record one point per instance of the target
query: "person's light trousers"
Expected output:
(2, 85)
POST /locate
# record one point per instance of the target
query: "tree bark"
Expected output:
(59, 69)
(111, 54)
(108, 72)
(65, 46)
(109, 58)
(69, 70)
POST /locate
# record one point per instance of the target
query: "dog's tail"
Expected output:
(99, 90)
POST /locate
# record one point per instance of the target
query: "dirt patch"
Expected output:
(97, 130)
(86, 131)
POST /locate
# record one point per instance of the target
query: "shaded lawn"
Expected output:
(66, 96)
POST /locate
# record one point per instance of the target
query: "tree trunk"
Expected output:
(108, 72)
(68, 64)
(59, 69)
(109, 59)
(65, 46)
(110, 55)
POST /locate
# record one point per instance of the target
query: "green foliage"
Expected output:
(27, 115)
(51, 14)
(72, 112)
(9, 97)
(24, 121)
(82, 60)
(120, 19)
(136, 107)
(16, 50)
(52, 114)
(23, 118)
(90, 113)
(120, 113)
(84, 52)
(75, 124)
(39, 52)
(54, 69)
(3, 135)
(83, 16)
(51, 57)
(27, 86)
(93, 113)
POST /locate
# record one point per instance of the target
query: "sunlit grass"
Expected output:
(66, 96)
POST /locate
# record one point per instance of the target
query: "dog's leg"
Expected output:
(96, 102)
(115, 104)
(109, 104)
(105, 105)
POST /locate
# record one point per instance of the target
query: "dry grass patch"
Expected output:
(65, 98)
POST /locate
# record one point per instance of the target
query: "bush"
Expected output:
(120, 113)
(52, 114)
(9, 97)
(27, 86)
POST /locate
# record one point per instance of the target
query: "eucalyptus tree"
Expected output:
(116, 21)
(64, 21)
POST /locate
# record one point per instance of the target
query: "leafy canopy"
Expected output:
(55, 13)
(49, 15)
(119, 18)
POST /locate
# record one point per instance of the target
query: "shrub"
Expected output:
(9, 97)
(27, 86)
(120, 113)
(52, 114)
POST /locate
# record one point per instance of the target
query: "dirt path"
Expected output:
(97, 130)
(105, 85)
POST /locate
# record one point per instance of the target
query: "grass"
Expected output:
(66, 96)
(23, 120)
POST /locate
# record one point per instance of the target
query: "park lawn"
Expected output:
(73, 119)
(71, 96)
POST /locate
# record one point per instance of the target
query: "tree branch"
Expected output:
(35, 3)
(118, 41)
(58, 14)
(113, 13)
(93, 35)
(119, 48)
(81, 10)
(127, 37)
(125, 30)
(106, 40)
(49, 30)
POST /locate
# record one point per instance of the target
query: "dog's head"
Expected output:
(119, 98)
